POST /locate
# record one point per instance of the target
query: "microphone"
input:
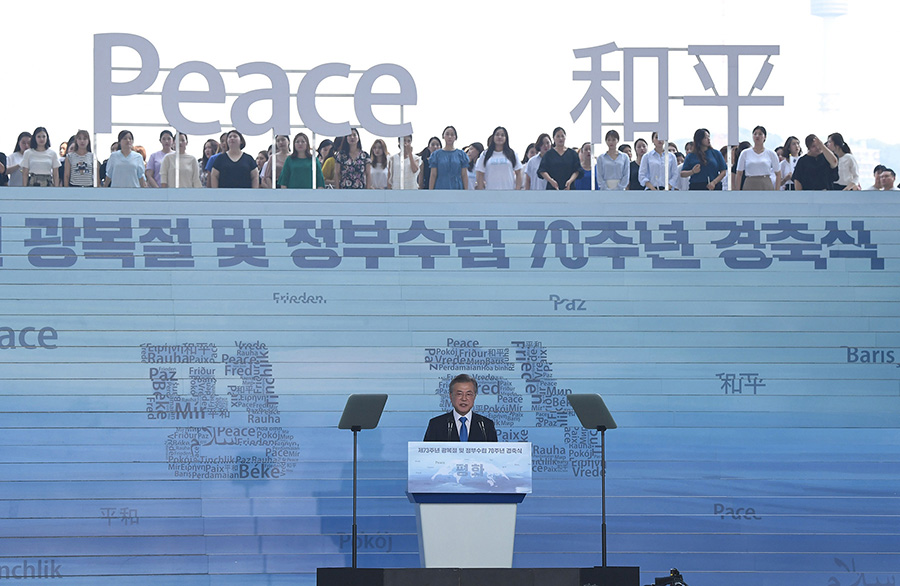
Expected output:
(449, 429)
(483, 432)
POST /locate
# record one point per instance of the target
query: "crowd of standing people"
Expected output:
(343, 163)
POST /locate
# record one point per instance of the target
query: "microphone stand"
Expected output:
(593, 414)
(360, 412)
(356, 429)
(602, 430)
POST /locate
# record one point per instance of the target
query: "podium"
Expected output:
(466, 496)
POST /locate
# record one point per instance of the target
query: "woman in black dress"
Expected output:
(560, 166)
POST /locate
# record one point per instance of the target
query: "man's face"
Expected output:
(462, 397)
(887, 180)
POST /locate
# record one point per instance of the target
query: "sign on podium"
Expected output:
(466, 495)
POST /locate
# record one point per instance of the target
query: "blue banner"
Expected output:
(173, 366)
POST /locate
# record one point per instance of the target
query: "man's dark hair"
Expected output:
(463, 378)
(879, 169)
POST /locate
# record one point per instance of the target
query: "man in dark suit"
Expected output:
(461, 424)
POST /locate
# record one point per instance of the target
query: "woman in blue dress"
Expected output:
(704, 165)
(449, 166)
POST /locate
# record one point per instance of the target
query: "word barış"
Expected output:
(869, 355)
(278, 93)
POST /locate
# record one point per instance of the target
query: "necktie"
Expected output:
(463, 432)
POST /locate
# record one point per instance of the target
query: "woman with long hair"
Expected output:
(328, 163)
(282, 152)
(379, 170)
(14, 161)
(210, 148)
(473, 151)
(735, 155)
(530, 151)
(434, 144)
(758, 168)
(154, 163)
(498, 167)
(560, 166)
(297, 170)
(848, 169)
(79, 167)
(448, 165)
(324, 150)
(640, 149)
(404, 167)
(352, 165)
(792, 152)
(262, 158)
(532, 180)
(704, 165)
(40, 163)
(125, 167)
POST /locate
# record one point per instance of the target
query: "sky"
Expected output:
(476, 66)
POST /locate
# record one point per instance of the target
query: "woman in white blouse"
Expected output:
(848, 169)
(792, 153)
(40, 163)
(759, 164)
(379, 169)
(613, 165)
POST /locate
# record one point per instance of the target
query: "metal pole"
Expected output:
(95, 165)
(665, 166)
(402, 151)
(177, 158)
(314, 159)
(355, 433)
(602, 490)
(274, 160)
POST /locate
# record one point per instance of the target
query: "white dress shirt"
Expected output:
(653, 169)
